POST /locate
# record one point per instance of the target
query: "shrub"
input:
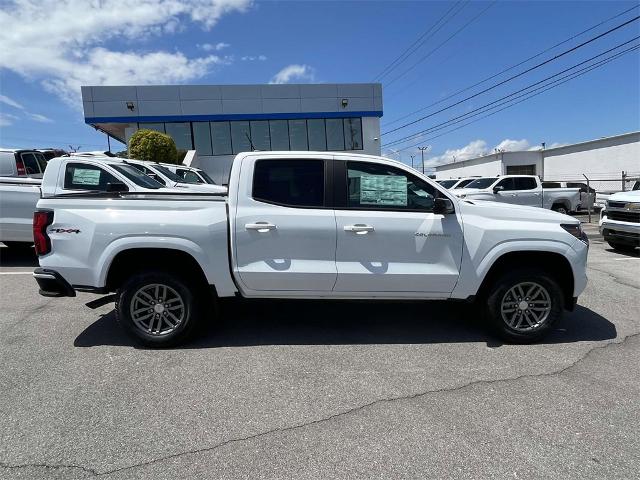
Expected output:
(152, 146)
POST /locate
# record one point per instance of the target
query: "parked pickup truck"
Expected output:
(620, 221)
(307, 225)
(521, 190)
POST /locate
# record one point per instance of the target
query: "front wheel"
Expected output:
(157, 309)
(523, 306)
(623, 247)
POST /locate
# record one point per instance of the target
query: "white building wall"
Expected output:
(476, 167)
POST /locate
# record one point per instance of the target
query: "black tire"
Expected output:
(526, 333)
(623, 247)
(128, 302)
(21, 246)
(560, 209)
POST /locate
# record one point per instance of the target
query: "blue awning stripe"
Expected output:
(231, 116)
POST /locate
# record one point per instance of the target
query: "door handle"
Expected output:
(261, 227)
(358, 228)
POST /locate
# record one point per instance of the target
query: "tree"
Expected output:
(152, 146)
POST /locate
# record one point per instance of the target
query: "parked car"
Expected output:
(20, 174)
(602, 197)
(190, 174)
(450, 184)
(50, 153)
(23, 163)
(587, 193)
(620, 221)
(164, 175)
(384, 232)
(522, 190)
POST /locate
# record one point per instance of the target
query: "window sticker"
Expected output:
(383, 190)
(85, 176)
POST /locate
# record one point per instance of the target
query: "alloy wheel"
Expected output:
(157, 309)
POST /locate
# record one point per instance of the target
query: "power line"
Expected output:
(404, 55)
(422, 59)
(512, 66)
(515, 76)
(573, 76)
(417, 134)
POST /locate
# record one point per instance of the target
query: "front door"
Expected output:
(389, 241)
(285, 234)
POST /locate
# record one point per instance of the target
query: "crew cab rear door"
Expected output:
(284, 236)
(389, 241)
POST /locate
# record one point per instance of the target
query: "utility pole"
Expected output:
(422, 149)
(412, 157)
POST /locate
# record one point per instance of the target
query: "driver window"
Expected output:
(381, 187)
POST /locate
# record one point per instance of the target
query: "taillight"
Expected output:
(41, 220)
(20, 167)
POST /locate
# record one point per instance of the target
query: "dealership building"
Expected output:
(219, 121)
(602, 160)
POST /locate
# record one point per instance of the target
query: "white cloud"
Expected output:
(476, 148)
(7, 119)
(210, 47)
(61, 42)
(252, 58)
(11, 102)
(294, 72)
(513, 145)
(39, 118)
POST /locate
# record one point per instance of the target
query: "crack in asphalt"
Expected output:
(46, 466)
(330, 417)
(616, 279)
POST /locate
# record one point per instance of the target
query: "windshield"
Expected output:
(137, 177)
(206, 177)
(463, 183)
(447, 183)
(168, 173)
(482, 182)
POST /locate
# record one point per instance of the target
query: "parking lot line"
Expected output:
(17, 273)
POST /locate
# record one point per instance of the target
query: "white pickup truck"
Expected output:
(521, 190)
(307, 225)
(620, 221)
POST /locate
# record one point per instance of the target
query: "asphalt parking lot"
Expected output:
(322, 390)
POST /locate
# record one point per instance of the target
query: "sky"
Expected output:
(422, 53)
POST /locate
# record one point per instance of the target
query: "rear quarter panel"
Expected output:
(110, 226)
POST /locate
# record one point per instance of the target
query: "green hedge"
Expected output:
(152, 146)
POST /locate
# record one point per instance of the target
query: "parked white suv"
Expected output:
(190, 174)
(307, 225)
(620, 221)
(452, 183)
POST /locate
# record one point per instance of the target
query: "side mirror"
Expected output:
(442, 206)
(498, 188)
(117, 187)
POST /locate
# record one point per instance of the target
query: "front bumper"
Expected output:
(623, 232)
(52, 284)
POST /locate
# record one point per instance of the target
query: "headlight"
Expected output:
(576, 230)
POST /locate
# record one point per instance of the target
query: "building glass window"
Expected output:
(317, 134)
(181, 134)
(298, 134)
(335, 134)
(353, 133)
(240, 135)
(279, 130)
(221, 138)
(260, 135)
(202, 138)
(158, 127)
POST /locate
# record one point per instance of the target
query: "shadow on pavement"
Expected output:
(312, 322)
(634, 254)
(18, 257)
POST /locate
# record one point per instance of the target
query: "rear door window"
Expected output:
(82, 176)
(31, 163)
(525, 183)
(294, 183)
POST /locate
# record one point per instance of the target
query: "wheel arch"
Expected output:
(556, 265)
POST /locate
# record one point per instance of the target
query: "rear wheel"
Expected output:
(560, 209)
(523, 306)
(158, 309)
